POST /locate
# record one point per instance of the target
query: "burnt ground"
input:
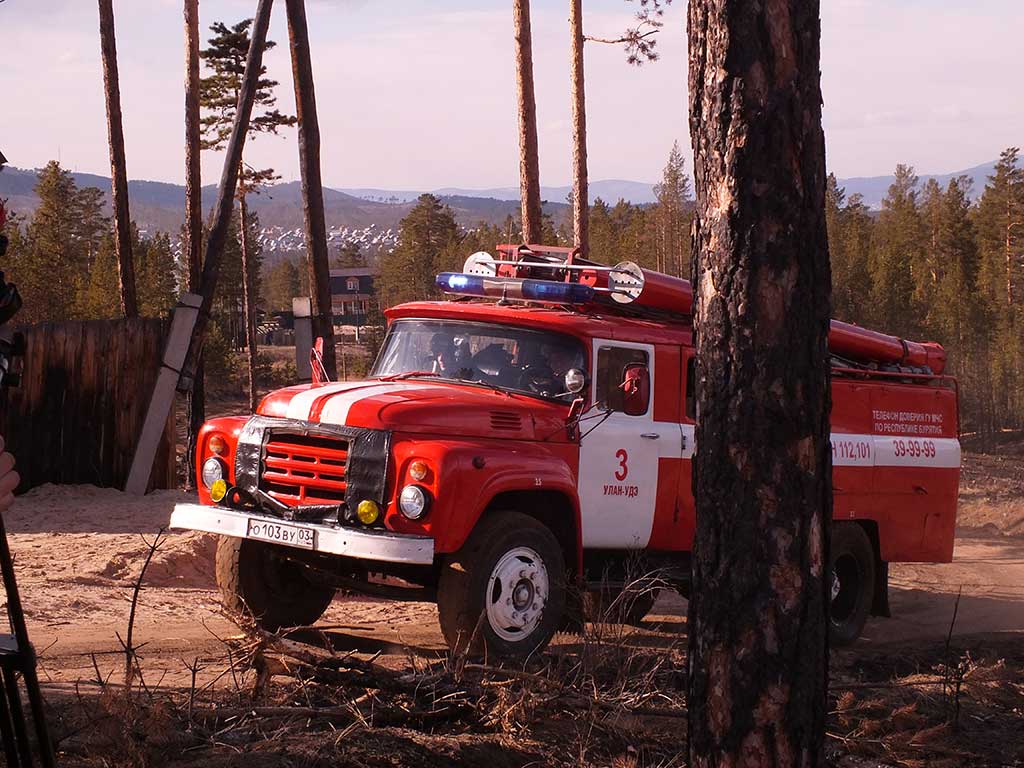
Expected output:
(385, 693)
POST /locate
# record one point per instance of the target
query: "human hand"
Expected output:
(9, 479)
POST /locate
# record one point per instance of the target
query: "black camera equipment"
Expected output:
(17, 656)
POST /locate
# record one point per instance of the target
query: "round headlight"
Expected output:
(413, 502)
(213, 470)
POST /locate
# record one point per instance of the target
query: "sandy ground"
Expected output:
(78, 550)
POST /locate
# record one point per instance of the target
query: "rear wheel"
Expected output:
(257, 579)
(503, 593)
(853, 582)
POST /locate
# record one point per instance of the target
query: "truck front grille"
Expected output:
(300, 470)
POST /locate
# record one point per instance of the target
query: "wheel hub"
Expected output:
(517, 593)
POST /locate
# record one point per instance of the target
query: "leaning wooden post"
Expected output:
(312, 186)
(118, 169)
(192, 314)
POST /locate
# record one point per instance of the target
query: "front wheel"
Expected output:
(257, 579)
(503, 593)
(853, 582)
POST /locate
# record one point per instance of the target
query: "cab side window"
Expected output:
(611, 366)
(691, 389)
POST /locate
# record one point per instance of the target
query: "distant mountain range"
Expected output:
(160, 206)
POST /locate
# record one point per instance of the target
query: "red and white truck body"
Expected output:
(514, 459)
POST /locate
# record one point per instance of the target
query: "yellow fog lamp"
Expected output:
(218, 491)
(368, 512)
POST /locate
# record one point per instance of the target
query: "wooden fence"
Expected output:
(82, 399)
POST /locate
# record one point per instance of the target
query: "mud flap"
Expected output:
(880, 602)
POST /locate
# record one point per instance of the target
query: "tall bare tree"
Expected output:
(580, 196)
(757, 619)
(193, 244)
(312, 185)
(529, 162)
(640, 47)
(118, 169)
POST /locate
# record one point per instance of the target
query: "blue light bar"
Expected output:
(547, 291)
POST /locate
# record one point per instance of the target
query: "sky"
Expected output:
(420, 94)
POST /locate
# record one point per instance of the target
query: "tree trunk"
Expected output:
(248, 299)
(580, 198)
(758, 656)
(529, 164)
(1009, 246)
(193, 244)
(118, 170)
(312, 186)
(217, 236)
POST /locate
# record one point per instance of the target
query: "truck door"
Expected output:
(619, 453)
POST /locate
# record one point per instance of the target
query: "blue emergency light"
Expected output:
(547, 291)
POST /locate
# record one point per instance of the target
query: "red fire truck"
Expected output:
(524, 442)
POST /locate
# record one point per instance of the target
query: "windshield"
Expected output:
(503, 356)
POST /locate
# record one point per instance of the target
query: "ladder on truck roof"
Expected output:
(560, 275)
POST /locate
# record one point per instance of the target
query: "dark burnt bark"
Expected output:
(762, 475)
(193, 218)
(580, 197)
(118, 170)
(214, 252)
(529, 163)
(312, 186)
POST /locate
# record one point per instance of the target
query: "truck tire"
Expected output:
(852, 570)
(255, 579)
(503, 593)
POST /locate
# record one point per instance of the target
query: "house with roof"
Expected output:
(352, 291)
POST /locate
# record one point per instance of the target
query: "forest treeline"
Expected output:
(930, 265)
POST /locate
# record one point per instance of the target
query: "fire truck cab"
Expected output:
(506, 456)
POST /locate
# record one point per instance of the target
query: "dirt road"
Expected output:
(79, 549)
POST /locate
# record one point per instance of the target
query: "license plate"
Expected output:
(280, 534)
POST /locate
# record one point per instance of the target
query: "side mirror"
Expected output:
(636, 389)
(575, 381)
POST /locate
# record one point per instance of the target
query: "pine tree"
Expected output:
(673, 215)
(999, 220)
(757, 624)
(429, 243)
(350, 256)
(219, 93)
(155, 273)
(282, 285)
(897, 255)
(529, 162)
(604, 239)
(118, 167)
(850, 229)
(56, 251)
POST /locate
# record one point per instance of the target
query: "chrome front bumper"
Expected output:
(351, 542)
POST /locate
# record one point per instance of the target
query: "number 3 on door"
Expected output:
(623, 470)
